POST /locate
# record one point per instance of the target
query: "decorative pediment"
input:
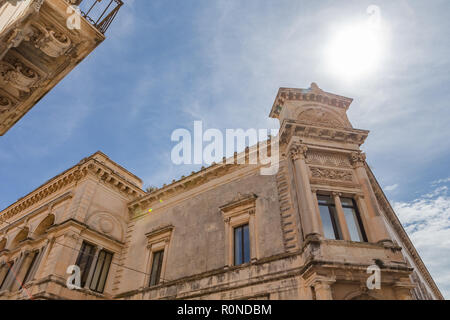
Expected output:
(241, 202)
(320, 116)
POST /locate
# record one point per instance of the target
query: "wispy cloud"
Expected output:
(391, 188)
(427, 221)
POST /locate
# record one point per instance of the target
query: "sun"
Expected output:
(355, 51)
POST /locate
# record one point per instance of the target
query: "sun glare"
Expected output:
(355, 51)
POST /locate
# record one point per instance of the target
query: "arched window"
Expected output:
(44, 225)
(22, 235)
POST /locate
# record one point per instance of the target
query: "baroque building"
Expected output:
(41, 41)
(313, 230)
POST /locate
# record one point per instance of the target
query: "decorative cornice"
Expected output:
(398, 227)
(88, 166)
(313, 94)
(303, 129)
(186, 183)
(239, 201)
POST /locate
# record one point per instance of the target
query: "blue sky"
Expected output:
(167, 63)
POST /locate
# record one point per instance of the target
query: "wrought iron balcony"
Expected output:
(100, 13)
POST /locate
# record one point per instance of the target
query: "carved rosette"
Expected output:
(357, 159)
(5, 103)
(298, 151)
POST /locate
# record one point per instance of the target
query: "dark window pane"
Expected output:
(9, 265)
(246, 244)
(238, 246)
(155, 273)
(101, 271)
(30, 268)
(241, 245)
(335, 221)
(84, 261)
(327, 223)
(105, 271)
(97, 270)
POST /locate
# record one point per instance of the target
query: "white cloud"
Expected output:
(440, 181)
(391, 188)
(427, 221)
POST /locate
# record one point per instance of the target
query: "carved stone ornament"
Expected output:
(18, 75)
(319, 116)
(328, 159)
(331, 174)
(51, 42)
(5, 103)
(357, 158)
(298, 151)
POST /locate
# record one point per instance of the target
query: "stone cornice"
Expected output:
(49, 205)
(290, 128)
(186, 183)
(313, 94)
(239, 201)
(397, 225)
(88, 166)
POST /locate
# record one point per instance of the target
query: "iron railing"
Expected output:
(100, 13)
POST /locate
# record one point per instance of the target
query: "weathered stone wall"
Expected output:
(198, 241)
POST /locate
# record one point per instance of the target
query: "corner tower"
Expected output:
(346, 224)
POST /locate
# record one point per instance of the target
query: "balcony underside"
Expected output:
(36, 52)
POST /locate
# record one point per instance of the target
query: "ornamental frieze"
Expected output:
(328, 159)
(331, 174)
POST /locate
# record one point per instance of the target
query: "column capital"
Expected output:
(357, 158)
(336, 194)
(298, 151)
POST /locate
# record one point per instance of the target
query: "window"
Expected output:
(158, 253)
(94, 278)
(241, 230)
(9, 265)
(33, 263)
(353, 219)
(101, 271)
(329, 218)
(84, 261)
(155, 274)
(241, 245)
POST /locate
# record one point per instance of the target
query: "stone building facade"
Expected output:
(311, 231)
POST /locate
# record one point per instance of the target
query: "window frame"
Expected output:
(86, 270)
(158, 240)
(337, 227)
(99, 284)
(240, 211)
(359, 222)
(158, 270)
(336, 197)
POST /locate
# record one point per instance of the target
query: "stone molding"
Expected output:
(313, 94)
(87, 167)
(291, 128)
